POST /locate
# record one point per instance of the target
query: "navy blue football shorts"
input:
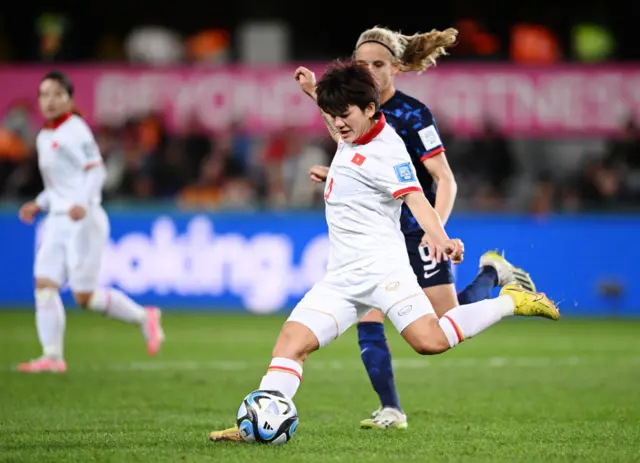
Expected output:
(429, 272)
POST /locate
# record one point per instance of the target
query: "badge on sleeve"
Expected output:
(429, 137)
(90, 150)
(404, 172)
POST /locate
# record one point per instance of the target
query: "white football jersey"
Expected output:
(365, 183)
(66, 150)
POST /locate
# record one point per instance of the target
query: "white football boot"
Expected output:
(385, 418)
(507, 272)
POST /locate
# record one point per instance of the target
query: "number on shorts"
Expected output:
(429, 263)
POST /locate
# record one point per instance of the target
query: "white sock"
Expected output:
(468, 320)
(50, 322)
(115, 304)
(283, 375)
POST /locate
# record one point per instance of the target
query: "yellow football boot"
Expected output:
(230, 434)
(529, 303)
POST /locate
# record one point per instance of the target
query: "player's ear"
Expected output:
(395, 68)
(370, 110)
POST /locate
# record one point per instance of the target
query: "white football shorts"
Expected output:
(72, 251)
(337, 302)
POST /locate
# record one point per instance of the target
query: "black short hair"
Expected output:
(347, 83)
(61, 78)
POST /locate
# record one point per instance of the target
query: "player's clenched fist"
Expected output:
(77, 213)
(319, 174)
(307, 81)
(435, 251)
(28, 212)
(454, 248)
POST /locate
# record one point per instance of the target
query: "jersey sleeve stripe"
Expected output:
(432, 153)
(404, 191)
(91, 165)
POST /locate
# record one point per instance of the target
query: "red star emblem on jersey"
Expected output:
(54, 145)
(358, 159)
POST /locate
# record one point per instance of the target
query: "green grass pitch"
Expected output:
(524, 391)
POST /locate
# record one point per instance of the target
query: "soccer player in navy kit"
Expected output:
(386, 53)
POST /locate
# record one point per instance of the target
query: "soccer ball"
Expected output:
(267, 417)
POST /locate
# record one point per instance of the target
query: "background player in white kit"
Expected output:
(368, 262)
(76, 229)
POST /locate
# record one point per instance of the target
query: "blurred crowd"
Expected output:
(525, 32)
(230, 169)
(542, 176)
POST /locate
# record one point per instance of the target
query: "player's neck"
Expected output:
(371, 130)
(387, 94)
(57, 121)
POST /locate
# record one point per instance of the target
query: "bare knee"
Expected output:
(295, 342)
(373, 316)
(426, 337)
(431, 346)
(45, 283)
(442, 297)
(82, 299)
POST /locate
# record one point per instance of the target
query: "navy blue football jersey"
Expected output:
(413, 121)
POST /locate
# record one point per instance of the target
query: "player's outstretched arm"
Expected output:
(426, 216)
(307, 81)
(438, 167)
(429, 220)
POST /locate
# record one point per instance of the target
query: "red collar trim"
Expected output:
(58, 121)
(373, 132)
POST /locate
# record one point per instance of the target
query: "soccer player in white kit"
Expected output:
(76, 230)
(388, 53)
(368, 262)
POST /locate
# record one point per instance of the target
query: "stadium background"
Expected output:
(207, 140)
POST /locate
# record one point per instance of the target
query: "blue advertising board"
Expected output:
(264, 262)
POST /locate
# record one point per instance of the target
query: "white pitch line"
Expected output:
(399, 364)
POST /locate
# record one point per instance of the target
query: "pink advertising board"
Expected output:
(555, 101)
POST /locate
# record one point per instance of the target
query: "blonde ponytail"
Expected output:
(422, 50)
(413, 52)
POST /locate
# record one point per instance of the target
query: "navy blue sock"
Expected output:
(376, 357)
(480, 288)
